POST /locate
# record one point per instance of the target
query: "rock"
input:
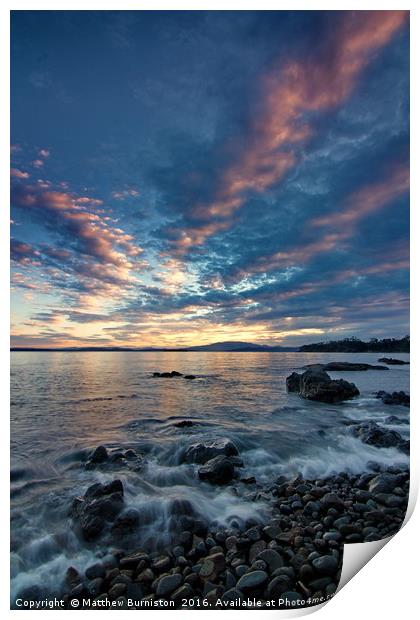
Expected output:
(293, 382)
(132, 560)
(204, 451)
(331, 500)
(385, 483)
(291, 596)
(396, 398)
(95, 586)
(218, 470)
(94, 571)
(255, 579)
(345, 366)
(168, 584)
(391, 361)
(161, 563)
(184, 592)
(278, 586)
(101, 490)
(126, 523)
(190, 377)
(212, 566)
(184, 423)
(256, 549)
(317, 385)
(72, 578)
(272, 559)
(99, 506)
(119, 589)
(100, 455)
(374, 435)
(232, 595)
(326, 565)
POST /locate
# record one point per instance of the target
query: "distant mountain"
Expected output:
(230, 346)
(237, 346)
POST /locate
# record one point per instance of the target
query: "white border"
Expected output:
(387, 586)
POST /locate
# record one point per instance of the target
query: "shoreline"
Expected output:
(293, 558)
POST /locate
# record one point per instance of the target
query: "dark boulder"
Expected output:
(391, 361)
(190, 377)
(374, 435)
(218, 470)
(317, 385)
(100, 505)
(168, 375)
(345, 366)
(386, 482)
(204, 451)
(396, 398)
(100, 455)
(293, 382)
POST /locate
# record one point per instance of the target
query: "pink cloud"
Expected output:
(289, 93)
(19, 174)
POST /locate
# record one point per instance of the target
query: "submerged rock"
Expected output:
(396, 398)
(204, 451)
(346, 366)
(219, 470)
(317, 385)
(99, 506)
(374, 435)
(391, 361)
(168, 375)
(99, 455)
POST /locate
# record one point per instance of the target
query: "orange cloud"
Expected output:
(360, 204)
(288, 94)
(19, 174)
(369, 199)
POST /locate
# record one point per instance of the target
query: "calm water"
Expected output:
(65, 404)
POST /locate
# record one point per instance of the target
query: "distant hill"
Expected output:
(230, 346)
(239, 346)
(354, 345)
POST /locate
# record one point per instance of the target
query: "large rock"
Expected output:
(219, 470)
(168, 584)
(204, 451)
(396, 398)
(386, 483)
(345, 366)
(293, 382)
(391, 361)
(326, 565)
(315, 384)
(99, 506)
(374, 435)
(254, 579)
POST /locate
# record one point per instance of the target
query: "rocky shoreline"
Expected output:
(291, 559)
(290, 556)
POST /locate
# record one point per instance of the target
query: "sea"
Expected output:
(65, 404)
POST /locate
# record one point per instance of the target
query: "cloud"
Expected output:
(24, 253)
(19, 174)
(339, 225)
(290, 97)
(100, 257)
(125, 193)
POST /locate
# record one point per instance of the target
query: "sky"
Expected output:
(188, 177)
